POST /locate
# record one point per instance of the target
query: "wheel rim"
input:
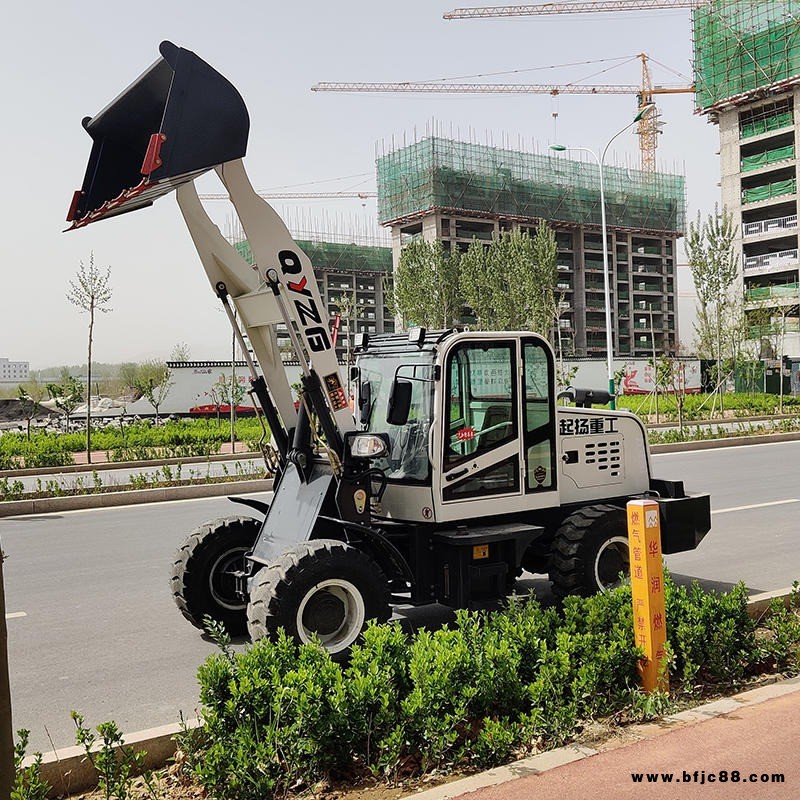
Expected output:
(612, 558)
(221, 580)
(333, 611)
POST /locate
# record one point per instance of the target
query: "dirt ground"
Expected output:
(10, 411)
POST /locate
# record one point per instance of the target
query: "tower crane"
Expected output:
(569, 7)
(645, 92)
(301, 196)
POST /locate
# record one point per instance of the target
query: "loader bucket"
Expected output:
(178, 119)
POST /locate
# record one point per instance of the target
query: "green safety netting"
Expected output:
(768, 292)
(767, 157)
(756, 127)
(338, 257)
(448, 175)
(770, 190)
(742, 45)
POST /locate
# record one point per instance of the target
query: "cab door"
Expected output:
(539, 449)
(498, 429)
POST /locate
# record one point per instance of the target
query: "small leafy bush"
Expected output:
(711, 634)
(117, 766)
(490, 686)
(28, 783)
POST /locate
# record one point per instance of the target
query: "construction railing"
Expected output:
(768, 225)
(770, 260)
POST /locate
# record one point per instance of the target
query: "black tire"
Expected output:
(322, 587)
(201, 579)
(589, 551)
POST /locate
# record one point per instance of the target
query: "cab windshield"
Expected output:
(408, 444)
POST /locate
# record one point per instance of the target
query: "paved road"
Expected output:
(93, 627)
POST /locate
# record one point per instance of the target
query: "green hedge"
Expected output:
(134, 441)
(490, 687)
(698, 406)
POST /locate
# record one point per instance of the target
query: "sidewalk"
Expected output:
(751, 737)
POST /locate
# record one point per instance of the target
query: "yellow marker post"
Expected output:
(647, 588)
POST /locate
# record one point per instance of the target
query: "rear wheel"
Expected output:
(589, 552)
(203, 581)
(321, 589)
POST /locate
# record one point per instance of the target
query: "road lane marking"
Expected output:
(755, 505)
(16, 614)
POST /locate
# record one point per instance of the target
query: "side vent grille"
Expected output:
(605, 455)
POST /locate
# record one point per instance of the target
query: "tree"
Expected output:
(153, 383)
(227, 391)
(90, 292)
(715, 266)
(30, 394)
(68, 394)
(180, 353)
(426, 285)
(511, 283)
(128, 374)
(349, 312)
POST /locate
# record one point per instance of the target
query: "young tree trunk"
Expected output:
(89, 390)
(719, 360)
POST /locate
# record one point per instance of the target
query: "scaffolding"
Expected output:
(744, 45)
(438, 174)
(337, 257)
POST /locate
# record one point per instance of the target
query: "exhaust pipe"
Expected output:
(177, 120)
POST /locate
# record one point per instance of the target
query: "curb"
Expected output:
(47, 505)
(107, 466)
(67, 770)
(703, 423)
(732, 441)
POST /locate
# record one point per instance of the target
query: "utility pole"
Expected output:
(653, 348)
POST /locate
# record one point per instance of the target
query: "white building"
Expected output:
(14, 371)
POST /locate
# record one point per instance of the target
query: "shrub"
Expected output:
(279, 716)
(28, 783)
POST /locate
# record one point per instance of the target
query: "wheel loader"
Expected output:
(450, 471)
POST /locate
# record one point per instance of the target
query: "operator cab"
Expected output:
(469, 419)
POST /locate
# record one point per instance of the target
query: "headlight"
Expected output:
(368, 445)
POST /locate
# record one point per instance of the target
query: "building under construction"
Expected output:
(747, 75)
(354, 280)
(455, 191)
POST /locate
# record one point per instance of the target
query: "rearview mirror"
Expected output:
(399, 402)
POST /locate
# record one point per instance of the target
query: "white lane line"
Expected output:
(755, 505)
(16, 614)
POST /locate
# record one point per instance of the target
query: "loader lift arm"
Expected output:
(175, 122)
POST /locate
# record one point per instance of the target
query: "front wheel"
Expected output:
(322, 589)
(590, 551)
(203, 578)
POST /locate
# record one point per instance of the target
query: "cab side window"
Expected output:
(482, 394)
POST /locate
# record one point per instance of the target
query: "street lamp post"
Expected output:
(604, 229)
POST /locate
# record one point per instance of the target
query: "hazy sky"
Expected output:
(63, 61)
